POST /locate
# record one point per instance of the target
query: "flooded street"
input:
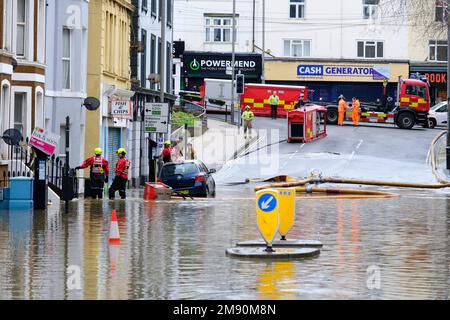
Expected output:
(176, 250)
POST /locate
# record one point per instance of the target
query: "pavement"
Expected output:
(441, 158)
(369, 151)
(221, 143)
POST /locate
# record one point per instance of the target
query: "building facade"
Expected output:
(146, 49)
(344, 34)
(108, 76)
(66, 52)
(22, 66)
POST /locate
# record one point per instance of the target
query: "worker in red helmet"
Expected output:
(121, 178)
(99, 171)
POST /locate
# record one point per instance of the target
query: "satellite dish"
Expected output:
(91, 103)
(12, 137)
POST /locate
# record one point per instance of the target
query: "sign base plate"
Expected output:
(278, 253)
(282, 243)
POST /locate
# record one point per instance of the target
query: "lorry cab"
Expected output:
(413, 103)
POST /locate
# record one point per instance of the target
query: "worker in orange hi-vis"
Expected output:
(355, 111)
(342, 108)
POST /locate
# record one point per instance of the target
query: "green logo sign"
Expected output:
(194, 65)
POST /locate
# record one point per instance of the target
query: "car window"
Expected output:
(202, 166)
(438, 106)
(176, 169)
(442, 109)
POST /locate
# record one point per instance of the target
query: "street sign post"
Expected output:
(287, 210)
(156, 117)
(268, 215)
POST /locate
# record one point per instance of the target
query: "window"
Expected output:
(297, 48)
(370, 49)
(153, 57)
(144, 5)
(153, 8)
(297, 9)
(440, 11)
(218, 29)
(370, 8)
(19, 112)
(169, 12)
(416, 91)
(168, 67)
(438, 50)
(21, 28)
(66, 55)
(144, 59)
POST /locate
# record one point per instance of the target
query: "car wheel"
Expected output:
(431, 123)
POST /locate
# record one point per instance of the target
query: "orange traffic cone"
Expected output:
(114, 236)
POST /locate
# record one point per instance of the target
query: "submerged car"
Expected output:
(190, 178)
(437, 115)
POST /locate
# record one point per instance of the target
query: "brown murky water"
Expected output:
(176, 250)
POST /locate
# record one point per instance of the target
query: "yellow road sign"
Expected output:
(287, 209)
(268, 214)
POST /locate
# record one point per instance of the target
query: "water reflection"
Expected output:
(176, 250)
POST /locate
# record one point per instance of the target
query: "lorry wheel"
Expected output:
(406, 120)
(332, 116)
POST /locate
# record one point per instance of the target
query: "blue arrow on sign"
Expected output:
(267, 202)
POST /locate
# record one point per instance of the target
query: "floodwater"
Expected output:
(395, 248)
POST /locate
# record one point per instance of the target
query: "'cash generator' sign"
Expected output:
(375, 72)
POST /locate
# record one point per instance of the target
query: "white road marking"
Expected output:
(359, 144)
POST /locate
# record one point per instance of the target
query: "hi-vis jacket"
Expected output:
(274, 100)
(247, 115)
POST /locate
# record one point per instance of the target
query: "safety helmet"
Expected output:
(121, 150)
(167, 143)
(247, 107)
(98, 151)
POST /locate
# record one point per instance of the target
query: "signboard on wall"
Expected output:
(44, 140)
(375, 72)
(156, 117)
(215, 65)
(122, 108)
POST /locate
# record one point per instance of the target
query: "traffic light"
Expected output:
(240, 81)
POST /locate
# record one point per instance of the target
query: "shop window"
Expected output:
(370, 49)
(297, 48)
(297, 9)
(370, 8)
(218, 29)
(437, 50)
(441, 11)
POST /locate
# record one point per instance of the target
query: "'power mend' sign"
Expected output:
(268, 214)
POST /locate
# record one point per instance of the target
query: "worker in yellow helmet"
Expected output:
(99, 171)
(121, 176)
(247, 116)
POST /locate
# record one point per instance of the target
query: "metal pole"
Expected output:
(253, 29)
(263, 77)
(233, 61)
(162, 57)
(67, 166)
(448, 90)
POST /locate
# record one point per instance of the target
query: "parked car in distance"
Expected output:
(189, 177)
(437, 115)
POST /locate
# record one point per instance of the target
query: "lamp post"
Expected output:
(233, 60)
(448, 90)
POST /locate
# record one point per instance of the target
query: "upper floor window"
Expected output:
(21, 28)
(297, 9)
(66, 57)
(144, 5)
(438, 50)
(153, 8)
(169, 12)
(441, 11)
(297, 48)
(370, 8)
(218, 29)
(370, 49)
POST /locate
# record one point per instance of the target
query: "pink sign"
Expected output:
(44, 140)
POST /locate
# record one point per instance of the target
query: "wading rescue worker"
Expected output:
(342, 108)
(247, 116)
(274, 101)
(355, 111)
(99, 171)
(121, 178)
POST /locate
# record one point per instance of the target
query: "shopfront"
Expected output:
(437, 75)
(326, 79)
(200, 65)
